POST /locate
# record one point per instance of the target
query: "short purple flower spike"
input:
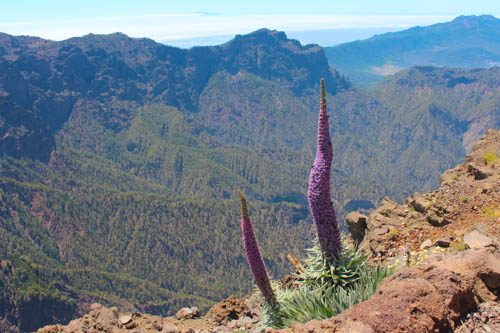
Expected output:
(318, 191)
(253, 254)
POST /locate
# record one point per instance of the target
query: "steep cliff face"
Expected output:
(50, 77)
(28, 301)
(23, 134)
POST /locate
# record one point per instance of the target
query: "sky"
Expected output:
(197, 22)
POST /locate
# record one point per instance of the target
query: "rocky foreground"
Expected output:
(456, 292)
(449, 238)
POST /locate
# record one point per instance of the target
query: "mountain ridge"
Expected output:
(467, 41)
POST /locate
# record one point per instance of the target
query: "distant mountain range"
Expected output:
(466, 42)
(120, 158)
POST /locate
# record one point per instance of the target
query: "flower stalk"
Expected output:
(318, 192)
(253, 254)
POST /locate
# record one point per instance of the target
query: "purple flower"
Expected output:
(253, 254)
(318, 192)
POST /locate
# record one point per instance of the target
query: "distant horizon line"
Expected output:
(173, 27)
(311, 35)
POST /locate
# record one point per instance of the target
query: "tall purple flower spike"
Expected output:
(253, 254)
(318, 192)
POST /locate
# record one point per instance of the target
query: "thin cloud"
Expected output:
(181, 26)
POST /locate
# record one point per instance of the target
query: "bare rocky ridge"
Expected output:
(226, 316)
(467, 199)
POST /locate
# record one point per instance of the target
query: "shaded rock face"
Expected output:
(23, 134)
(28, 312)
(356, 223)
(105, 72)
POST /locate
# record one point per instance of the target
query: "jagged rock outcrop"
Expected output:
(103, 319)
(229, 315)
(468, 198)
(480, 267)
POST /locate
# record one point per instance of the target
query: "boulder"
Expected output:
(125, 319)
(478, 172)
(420, 203)
(480, 267)
(429, 297)
(476, 240)
(187, 313)
(442, 242)
(387, 207)
(434, 219)
(232, 308)
(426, 244)
(107, 318)
(356, 223)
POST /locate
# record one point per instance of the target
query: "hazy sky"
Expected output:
(167, 20)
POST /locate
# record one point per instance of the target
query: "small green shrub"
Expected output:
(491, 212)
(393, 233)
(460, 246)
(491, 158)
